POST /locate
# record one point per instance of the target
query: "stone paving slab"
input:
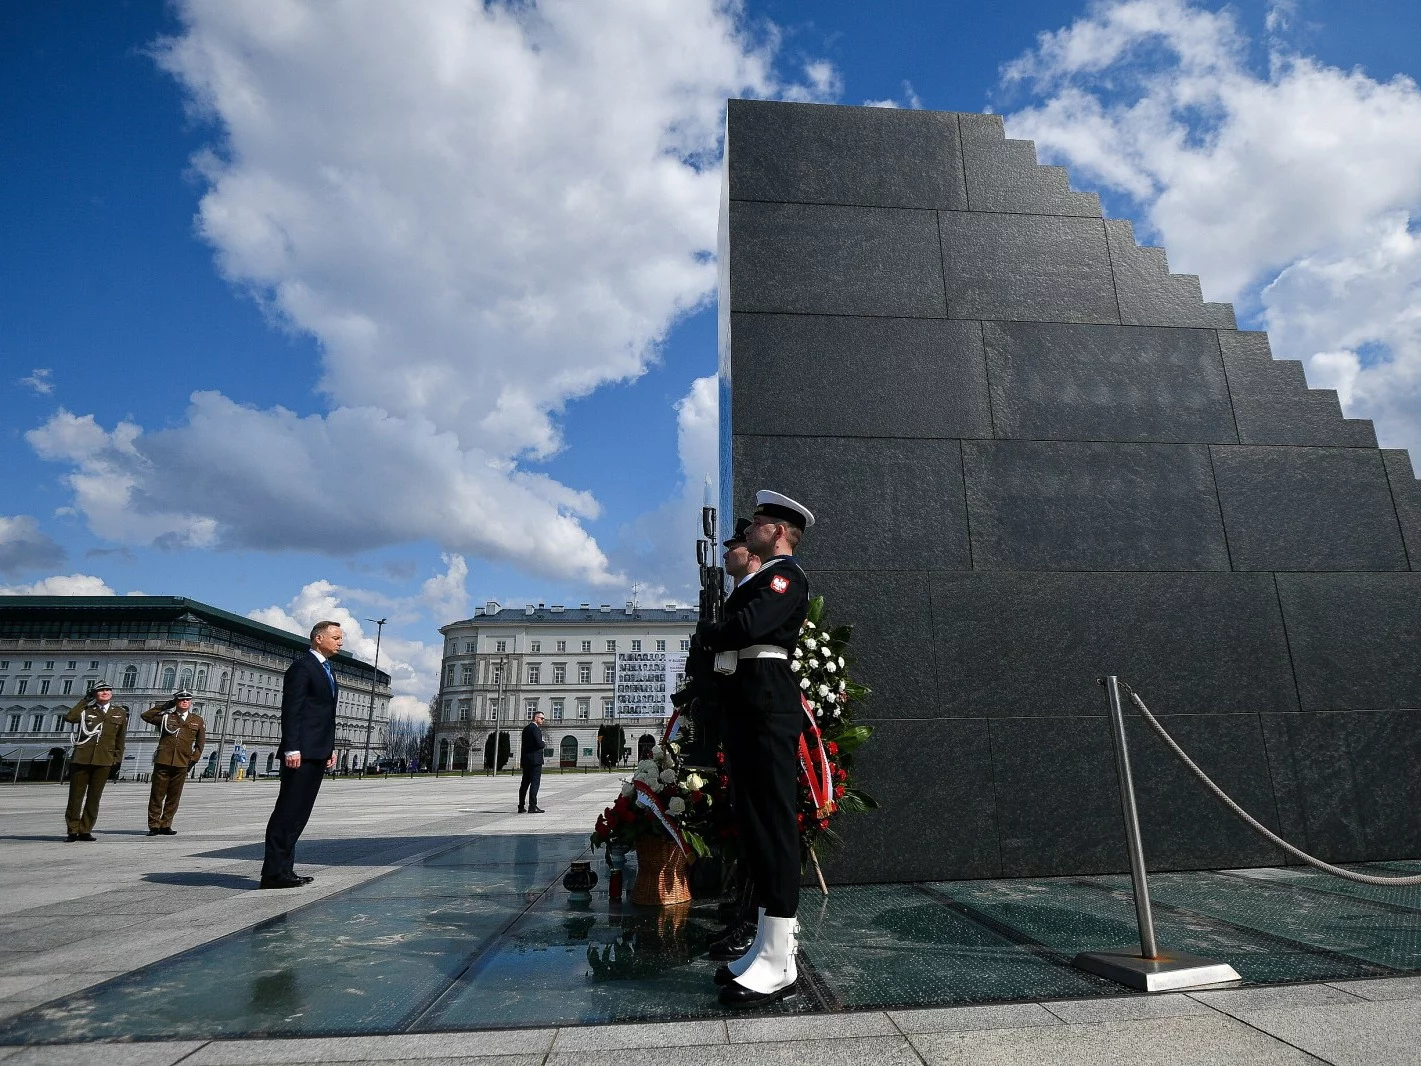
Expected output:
(866, 1051)
(426, 1047)
(158, 1053)
(1349, 1034)
(1127, 1008)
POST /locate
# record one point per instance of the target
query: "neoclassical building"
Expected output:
(52, 648)
(504, 663)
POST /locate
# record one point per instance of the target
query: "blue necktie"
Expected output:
(329, 676)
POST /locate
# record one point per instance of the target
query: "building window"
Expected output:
(559, 673)
(73, 664)
(49, 664)
(43, 688)
(2, 684)
(448, 710)
(466, 674)
(187, 677)
(636, 645)
(222, 685)
(4, 664)
(170, 674)
(685, 645)
(14, 723)
(535, 671)
(37, 723)
(584, 708)
(68, 686)
(609, 673)
(535, 646)
(530, 708)
(93, 664)
(130, 677)
(495, 673)
(609, 707)
(202, 680)
(661, 645)
(29, 665)
(463, 710)
(584, 673)
(450, 672)
(587, 645)
(557, 709)
(562, 645)
(468, 647)
(21, 686)
(500, 645)
(611, 645)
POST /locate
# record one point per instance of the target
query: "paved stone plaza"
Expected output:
(453, 873)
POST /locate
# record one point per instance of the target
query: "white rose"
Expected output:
(628, 788)
(646, 766)
(798, 652)
(794, 666)
(830, 667)
(811, 645)
(707, 800)
(804, 683)
(836, 712)
(695, 781)
(677, 806)
(843, 685)
(823, 690)
(808, 624)
(814, 664)
(657, 751)
(668, 777)
(841, 662)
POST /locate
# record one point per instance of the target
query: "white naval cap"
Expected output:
(778, 505)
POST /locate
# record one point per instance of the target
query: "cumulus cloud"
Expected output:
(40, 380)
(25, 547)
(61, 585)
(481, 211)
(1281, 187)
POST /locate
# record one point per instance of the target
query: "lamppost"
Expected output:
(497, 715)
(374, 681)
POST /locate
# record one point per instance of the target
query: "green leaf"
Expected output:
(841, 635)
(816, 609)
(850, 739)
(860, 799)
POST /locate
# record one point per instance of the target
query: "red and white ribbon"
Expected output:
(815, 761)
(673, 728)
(646, 796)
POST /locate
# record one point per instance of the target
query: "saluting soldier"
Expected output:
(764, 718)
(181, 736)
(100, 727)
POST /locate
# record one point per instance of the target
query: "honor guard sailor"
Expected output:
(764, 717)
(100, 727)
(181, 736)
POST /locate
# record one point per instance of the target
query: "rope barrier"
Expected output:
(1252, 822)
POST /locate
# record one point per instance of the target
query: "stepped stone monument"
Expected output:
(1038, 457)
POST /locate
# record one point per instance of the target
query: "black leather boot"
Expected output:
(734, 941)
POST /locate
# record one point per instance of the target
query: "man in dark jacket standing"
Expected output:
(308, 739)
(531, 758)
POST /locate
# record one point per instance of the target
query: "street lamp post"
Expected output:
(497, 715)
(374, 682)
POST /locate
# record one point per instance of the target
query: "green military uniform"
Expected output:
(181, 737)
(98, 746)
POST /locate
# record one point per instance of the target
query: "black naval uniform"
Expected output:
(763, 720)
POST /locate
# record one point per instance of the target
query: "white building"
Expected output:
(507, 662)
(53, 648)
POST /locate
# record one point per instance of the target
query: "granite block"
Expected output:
(823, 154)
(1034, 644)
(1003, 175)
(809, 1027)
(1062, 505)
(1347, 1034)
(1183, 825)
(892, 647)
(1307, 509)
(1126, 1008)
(1058, 805)
(1406, 494)
(1246, 1000)
(965, 1019)
(823, 375)
(816, 259)
(911, 837)
(1353, 638)
(850, 1051)
(1035, 268)
(1052, 381)
(650, 1034)
(1149, 294)
(910, 491)
(1273, 404)
(1384, 989)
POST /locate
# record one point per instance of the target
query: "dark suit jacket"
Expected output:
(308, 710)
(532, 754)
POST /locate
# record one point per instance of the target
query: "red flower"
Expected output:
(839, 791)
(724, 781)
(823, 823)
(800, 818)
(833, 748)
(697, 796)
(720, 758)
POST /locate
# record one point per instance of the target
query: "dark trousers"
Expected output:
(163, 797)
(763, 757)
(528, 786)
(86, 788)
(292, 812)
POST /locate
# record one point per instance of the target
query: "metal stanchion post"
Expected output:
(1151, 970)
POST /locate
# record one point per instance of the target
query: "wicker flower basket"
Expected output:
(661, 873)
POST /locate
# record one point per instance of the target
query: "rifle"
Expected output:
(699, 700)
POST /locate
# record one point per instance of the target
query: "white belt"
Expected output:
(762, 651)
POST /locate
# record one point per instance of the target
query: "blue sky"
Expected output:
(373, 310)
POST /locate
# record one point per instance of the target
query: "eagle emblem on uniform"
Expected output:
(779, 583)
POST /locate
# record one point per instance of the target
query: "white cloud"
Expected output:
(40, 380)
(61, 585)
(24, 546)
(1293, 190)
(445, 595)
(481, 211)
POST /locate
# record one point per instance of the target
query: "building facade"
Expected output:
(53, 648)
(507, 662)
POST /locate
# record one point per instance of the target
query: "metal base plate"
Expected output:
(1171, 971)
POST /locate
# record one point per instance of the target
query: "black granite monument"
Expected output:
(1037, 457)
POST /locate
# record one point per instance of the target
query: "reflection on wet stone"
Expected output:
(276, 994)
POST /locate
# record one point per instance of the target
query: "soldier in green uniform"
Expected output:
(100, 726)
(181, 736)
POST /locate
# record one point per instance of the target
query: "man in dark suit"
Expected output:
(308, 739)
(531, 758)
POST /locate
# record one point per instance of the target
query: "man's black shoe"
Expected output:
(168, 832)
(71, 838)
(536, 810)
(154, 832)
(522, 810)
(723, 976)
(284, 882)
(737, 995)
(734, 942)
(304, 879)
(87, 836)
